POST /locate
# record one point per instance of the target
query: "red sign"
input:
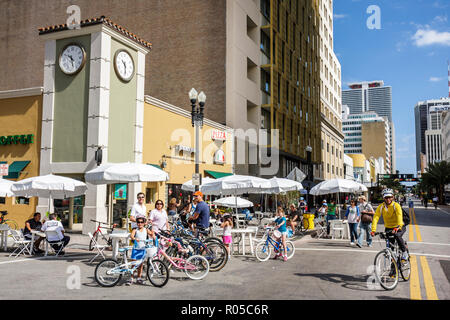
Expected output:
(4, 169)
(218, 135)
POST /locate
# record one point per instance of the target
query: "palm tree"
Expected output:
(437, 176)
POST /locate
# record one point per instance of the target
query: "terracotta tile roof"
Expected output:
(93, 21)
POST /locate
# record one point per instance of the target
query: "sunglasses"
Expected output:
(159, 204)
(140, 197)
(140, 222)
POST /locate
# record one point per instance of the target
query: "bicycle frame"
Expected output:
(178, 263)
(269, 240)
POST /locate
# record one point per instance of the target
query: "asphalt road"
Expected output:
(320, 269)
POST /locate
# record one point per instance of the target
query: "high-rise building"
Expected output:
(372, 96)
(330, 98)
(369, 134)
(257, 61)
(428, 125)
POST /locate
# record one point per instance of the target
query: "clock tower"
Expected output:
(93, 100)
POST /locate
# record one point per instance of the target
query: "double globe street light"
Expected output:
(197, 122)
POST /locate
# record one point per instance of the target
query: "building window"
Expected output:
(22, 200)
(150, 195)
(328, 168)
(328, 147)
(2, 200)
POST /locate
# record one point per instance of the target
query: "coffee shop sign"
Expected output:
(17, 139)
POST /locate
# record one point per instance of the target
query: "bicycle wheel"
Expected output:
(12, 224)
(405, 267)
(104, 275)
(91, 243)
(157, 273)
(213, 239)
(196, 267)
(290, 249)
(216, 254)
(386, 271)
(263, 251)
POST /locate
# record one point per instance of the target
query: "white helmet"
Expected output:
(387, 193)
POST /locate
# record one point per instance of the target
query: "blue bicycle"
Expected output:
(263, 249)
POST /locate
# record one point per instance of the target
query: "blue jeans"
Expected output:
(367, 227)
(328, 218)
(353, 231)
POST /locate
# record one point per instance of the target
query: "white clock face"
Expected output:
(124, 65)
(72, 59)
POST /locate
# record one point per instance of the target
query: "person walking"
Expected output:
(158, 217)
(138, 210)
(365, 226)
(353, 216)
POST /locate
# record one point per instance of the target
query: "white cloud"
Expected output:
(427, 37)
(435, 79)
(339, 16)
(440, 19)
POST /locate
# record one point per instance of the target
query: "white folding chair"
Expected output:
(52, 244)
(337, 227)
(99, 247)
(23, 245)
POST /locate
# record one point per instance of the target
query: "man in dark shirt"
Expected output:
(201, 213)
(33, 224)
(293, 217)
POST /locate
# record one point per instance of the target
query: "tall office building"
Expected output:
(256, 60)
(372, 96)
(428, 122)
(369, 134)
(330, 98)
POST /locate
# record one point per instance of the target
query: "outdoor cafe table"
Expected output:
(4, 229)
(244, 233)
(40, 234)
(116, 237)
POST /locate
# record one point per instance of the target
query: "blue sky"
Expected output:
(409, 53)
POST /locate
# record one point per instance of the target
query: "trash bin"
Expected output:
(308, 221)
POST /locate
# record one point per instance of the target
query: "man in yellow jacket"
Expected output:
(393, 219)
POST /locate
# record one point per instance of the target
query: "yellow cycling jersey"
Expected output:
(392, 217)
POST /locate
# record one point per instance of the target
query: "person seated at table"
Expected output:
(55, 225)
(33, 224)
(293, 217)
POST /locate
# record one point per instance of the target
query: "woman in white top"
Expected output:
(138, 210)
(158, 217)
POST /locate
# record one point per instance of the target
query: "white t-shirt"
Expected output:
(137, 211)
(53, 225)
(159, 219)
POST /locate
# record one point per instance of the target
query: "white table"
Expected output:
(38, 233)
(244, 233)
(116, 237)
(4, 229)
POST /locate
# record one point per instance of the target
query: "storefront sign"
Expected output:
(120, 192)
(219, 157)
(179, 148)
(4, 169)
(17, 139)
(219, 135)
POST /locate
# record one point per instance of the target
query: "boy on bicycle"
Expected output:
(139, 236)
(393, 219)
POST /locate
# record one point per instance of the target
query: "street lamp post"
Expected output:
(310, 177)
(197, 122)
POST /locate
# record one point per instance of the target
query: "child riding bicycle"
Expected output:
(280, 222)
(139, 236)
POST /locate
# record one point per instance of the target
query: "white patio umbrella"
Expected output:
(337, 186)
(188, 186)
(5, 188)
(233, 202)
(126, 172)
(279, 185)
(236, 185)
(49, 186)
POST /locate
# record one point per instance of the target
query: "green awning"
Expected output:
(15, 169)
(217, 174)
(155, 165)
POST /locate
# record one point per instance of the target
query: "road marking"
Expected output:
(418, 236)
(382, 241)
(410, 229)
(22, 260)
(367, 251)
(428, 279)
(414, 282)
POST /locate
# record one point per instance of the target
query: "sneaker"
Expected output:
(130, 282)
(405, 255)
(358, 245)
(140, 281)
(352, 243)
(370, 245)
(285, 258)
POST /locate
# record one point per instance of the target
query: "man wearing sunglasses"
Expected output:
(138, 210)
(201, 213)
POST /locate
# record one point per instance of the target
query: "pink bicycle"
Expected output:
(196, 267)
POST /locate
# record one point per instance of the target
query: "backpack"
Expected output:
(405, 216)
